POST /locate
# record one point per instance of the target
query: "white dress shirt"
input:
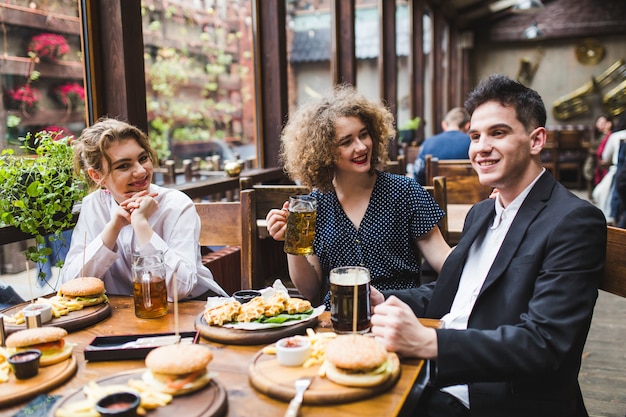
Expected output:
(480, 258)
(176, 227)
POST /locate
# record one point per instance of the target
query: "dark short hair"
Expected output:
(529, 107)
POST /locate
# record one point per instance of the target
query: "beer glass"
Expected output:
(149, 286)
(301, 225)
(350, 299)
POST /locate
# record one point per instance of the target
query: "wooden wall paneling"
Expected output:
(387, 72)
(342, 44)
(118, 60)
(417, 62)
(271, 77)
(437, 88)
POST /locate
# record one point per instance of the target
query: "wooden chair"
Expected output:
(397, 167)
(269, 197)
(614, 280)
(550, 152)
(462, 184)
(232, 225)
(438, 192)
(571, 156)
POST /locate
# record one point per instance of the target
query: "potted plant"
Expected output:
(70, 95)
(39, 191)
(408, 130)
(24, 97)
(48, 46)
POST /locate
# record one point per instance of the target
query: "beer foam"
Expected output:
(350, 278)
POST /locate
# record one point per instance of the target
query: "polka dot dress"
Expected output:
(399, 211)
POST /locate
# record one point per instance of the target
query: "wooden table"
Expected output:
(230, 362)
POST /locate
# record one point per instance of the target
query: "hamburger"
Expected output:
(49, 340)
(178, 369)
(356, 360)
(87, 291)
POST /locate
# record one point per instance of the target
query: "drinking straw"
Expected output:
(175, 277)
(355, 301)
(82, 269)
(30, 284)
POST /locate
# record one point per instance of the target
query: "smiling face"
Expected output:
(130, 171)
(502, 152)
(354, 144)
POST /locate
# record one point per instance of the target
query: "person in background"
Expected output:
(604, 127)
(603, 192)
(126, 212)
(365, 216)
(452, 143)
(516, 295)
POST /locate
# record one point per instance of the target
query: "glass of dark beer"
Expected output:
(350, 299)
(300, 232)
(149, 286)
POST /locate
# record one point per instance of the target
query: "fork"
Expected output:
(294, 405)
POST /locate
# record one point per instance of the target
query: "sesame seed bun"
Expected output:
(87, 291)
(356, 352)
(49, 340)
(82, 286)
(178, 369)
(34, 336)
(359, 361)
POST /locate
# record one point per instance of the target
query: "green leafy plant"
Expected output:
(39, 190)
(412, 124)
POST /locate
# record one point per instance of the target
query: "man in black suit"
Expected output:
(517, 293)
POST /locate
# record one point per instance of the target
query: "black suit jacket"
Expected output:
(521, 352)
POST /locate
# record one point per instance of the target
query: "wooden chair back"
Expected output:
(232, 225)
(614, 280)
(462, 184)
(269, 197)
(439, 193)
(571, 155)
(397, 167)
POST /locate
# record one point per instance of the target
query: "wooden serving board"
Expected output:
(249, 337)
(277, 381)
(74, 320)
(49, 377)
(210, 401)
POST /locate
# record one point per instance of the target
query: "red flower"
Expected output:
(48, 46)
(71, 93)
(25, 94)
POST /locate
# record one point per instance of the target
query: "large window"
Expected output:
(41, 69)
(199, 79)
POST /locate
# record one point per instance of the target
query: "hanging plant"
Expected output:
(48, 46)
(24, 98)
(70, 95)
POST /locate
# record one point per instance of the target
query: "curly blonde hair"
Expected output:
(90, 150)
(308, 147)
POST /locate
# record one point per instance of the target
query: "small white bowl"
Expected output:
(44, 310)
(292, 351)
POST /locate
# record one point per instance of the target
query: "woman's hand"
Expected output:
(277, 222)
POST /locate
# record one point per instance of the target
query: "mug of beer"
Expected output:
(301, 225)
(149, 287)
(350, 299)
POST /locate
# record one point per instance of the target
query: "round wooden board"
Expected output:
(49, 377)
(249, 337)
(210, 401)
(74, 320)
(277, 381)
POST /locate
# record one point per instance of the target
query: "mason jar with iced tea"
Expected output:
(350, 299)
(300, 232)
(149, 285)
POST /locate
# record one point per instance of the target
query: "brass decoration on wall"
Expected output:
(589, 52)
(575, 103)
(528, 68)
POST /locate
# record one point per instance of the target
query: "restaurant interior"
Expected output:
(213, 82)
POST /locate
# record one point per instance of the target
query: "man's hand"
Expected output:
(395, 325)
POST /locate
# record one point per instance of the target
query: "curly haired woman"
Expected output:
(365, 216)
